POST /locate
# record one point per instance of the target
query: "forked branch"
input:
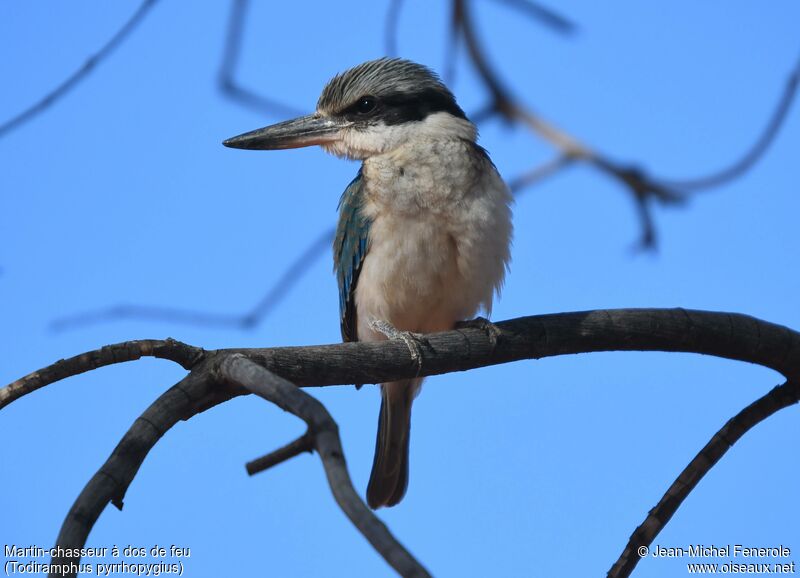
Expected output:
(240, 371)
(217, 376)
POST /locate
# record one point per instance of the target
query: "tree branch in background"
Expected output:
(391, 26)
(756, 152)
(231, 54)
(79, 75)
(505, 105)
(217, 376)
(777, 399)
(644, 189)
(248, 320)
(543, 15)
(540, 14)
(277, 292)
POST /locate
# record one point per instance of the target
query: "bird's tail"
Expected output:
(389, 477)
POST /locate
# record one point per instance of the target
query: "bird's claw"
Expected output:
(413, 341)
(493, 332)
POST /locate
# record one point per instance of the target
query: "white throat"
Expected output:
(378, 139)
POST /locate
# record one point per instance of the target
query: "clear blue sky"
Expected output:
(122, 193)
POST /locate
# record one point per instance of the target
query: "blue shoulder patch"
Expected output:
(350, 246)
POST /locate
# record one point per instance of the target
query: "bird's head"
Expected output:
(369, 110)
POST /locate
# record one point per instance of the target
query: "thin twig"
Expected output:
(305, 443)
(778, 398)
(274, 296)
(80, 74)
(452, 44)
(184, 355)
(279, 289)
(755, 152)
(226, 78)
(153, 312)
(642, 187)
(286, 282)
(543, 15)
(391, 26)
(539, 173)
(242, 372)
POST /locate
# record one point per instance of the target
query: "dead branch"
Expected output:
(216, 378)
(729, 335)
(304, 443)
(778, 398)
(192, 395)
(184, 355)
(240, 371)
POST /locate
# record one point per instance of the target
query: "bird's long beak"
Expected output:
(299, 132)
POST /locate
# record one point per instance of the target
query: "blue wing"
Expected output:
(349, 249)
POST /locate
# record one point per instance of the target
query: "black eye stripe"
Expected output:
(399, 107)
(403, 107)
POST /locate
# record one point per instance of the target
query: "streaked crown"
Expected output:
(391, 90)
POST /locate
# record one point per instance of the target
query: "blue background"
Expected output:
(122, 193)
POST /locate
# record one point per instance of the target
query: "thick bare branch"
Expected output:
(778, 398)
(185, 355)
(727, 335)
(79, 75)
(192, 395)
(240, 371)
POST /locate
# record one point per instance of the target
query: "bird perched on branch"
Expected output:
(424, 229)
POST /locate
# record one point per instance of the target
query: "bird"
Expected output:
(424, 232)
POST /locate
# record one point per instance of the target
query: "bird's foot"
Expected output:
(414, 341)
(493, 332)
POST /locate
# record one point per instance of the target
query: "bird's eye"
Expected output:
(366, 104)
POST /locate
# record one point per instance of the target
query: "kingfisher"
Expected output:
(424, 232)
